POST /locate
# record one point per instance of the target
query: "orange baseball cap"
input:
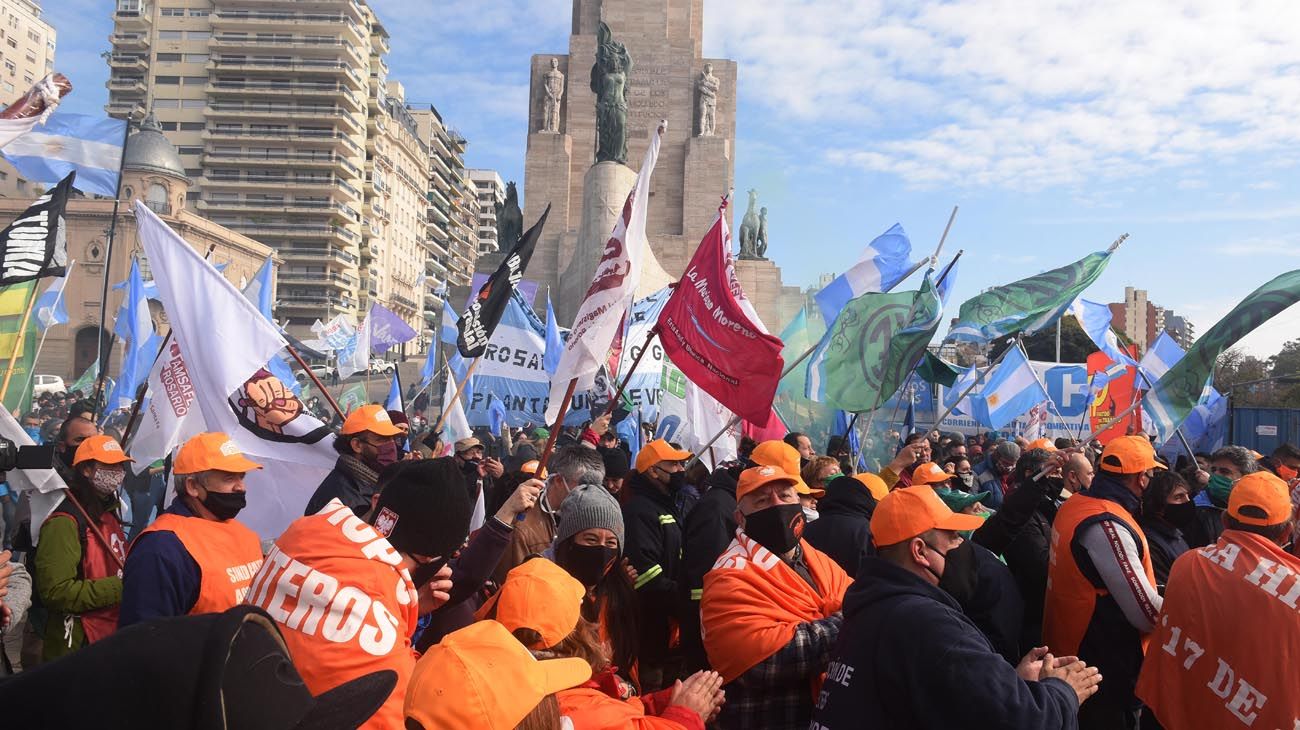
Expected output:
(372, 418)
(782, 456)
(1042, 443)
(481, 677)
(657, 451)
(538, 595)
(212, 450)
(874, 484)
(905, 513)
(530, 467)
(761, 476)
(929, 473)
(101, 448)
(1264, 491)
(1128, 455)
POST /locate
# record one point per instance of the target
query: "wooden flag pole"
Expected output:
(455, 396)
(555, 429)
(315, 380)
(31, 373)
(18, 342)
(613, 402)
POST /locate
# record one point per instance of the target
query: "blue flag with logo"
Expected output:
(885, 262)
(89, 144)
(134, 326)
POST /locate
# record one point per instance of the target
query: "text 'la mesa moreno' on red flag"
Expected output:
(709, 336)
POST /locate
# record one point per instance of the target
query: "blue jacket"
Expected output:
(341, 484)
(843, 526)
(160, 578)
(908, 659)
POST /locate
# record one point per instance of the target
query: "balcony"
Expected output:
(299, 159)
(126, 86)
(316, 253)
(296, 89)
(133, 14)
(280, 206)
(129, 40)
(311, 301)
(313, 66)
(334, 139)
(128, 61)
(304, 23)
(403, 301)
(292, 230)
(320, 46)
(339, 281)
(251, 180)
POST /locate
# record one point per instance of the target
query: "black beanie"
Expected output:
(616, 462)
(423, 507)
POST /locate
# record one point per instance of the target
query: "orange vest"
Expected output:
(346, 607)
(1224, 652)
(591, 709)
(1071, 597)
(228, 555)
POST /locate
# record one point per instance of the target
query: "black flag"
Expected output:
(484, 312)
(36, 243)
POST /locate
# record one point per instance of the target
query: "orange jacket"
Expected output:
(345, 605)
(590, 708)
(228, 555)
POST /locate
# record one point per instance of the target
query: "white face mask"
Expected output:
(810, 515)
(107, 482)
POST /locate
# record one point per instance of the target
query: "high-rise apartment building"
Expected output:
(27, 51)
(1139, 319)
(490, 192)
(292, 134)
(451, 238)
(1181, 329)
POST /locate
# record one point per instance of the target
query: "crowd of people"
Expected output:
(982, 581)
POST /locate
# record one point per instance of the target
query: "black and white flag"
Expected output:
(36, 243)
(485, 309)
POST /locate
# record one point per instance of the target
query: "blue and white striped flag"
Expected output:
(89, 144)
(1163, 354)
(447, 332)
(51, 306)
(1009, 391)
(1095, 320)
(887, 260)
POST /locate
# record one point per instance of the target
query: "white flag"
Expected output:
(611, 291)
(356, 357)
(690, 417)
(172, 416)
(226, 342)
(44, 486)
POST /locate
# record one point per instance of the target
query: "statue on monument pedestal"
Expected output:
(752, 230)
(708, 86)
(510, 219)
(553, 86)
(609, 84)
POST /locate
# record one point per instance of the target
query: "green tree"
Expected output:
(1076, 346)
(1235, 369)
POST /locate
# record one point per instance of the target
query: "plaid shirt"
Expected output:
(776, 693)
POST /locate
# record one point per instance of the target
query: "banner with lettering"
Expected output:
(1224, 652)
(643, 389)
(1067, 413)
(36, 243)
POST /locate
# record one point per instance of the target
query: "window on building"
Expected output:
(27, 79)
(193, 103)
(156, 198)
(167, 80)
(33, 36)
(169, 35)
(11, 68)
(31, 57)
(169, 58)
(168, 126)
(196, 58)
(196, 80)
(8, 87)
(190, 150)
(167, 103)
(198, 35)
(12, 43)
(193, 172)
(172, 12)
(199, 12)
(191, 126)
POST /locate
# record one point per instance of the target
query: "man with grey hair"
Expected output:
(1227, 465)
(570, 467)
(195, 558)
(994, 475)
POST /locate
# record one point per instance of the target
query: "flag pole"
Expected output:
(108, 267)
(613, 402)
(18, 342)
(455, 395)
(555, 429)
(978, 379)
(315, 380)
(44, 333)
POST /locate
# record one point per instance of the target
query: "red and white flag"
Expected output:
(600, 318)
(709, 331)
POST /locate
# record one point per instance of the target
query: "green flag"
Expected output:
(17, 345)
(353, 396)
(1027, 305)
(1177, 392)
(86, 383)
(794, 407)
(934, 370)
(872, 347)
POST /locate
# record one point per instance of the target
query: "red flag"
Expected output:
(708, 335)
(773, 430)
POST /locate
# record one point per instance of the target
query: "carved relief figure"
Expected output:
(708, 86)
(553, 87)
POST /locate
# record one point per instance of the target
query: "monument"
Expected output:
(632, 63)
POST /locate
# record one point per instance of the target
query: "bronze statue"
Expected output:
(510, 219)
(609, 84)
(750, 226)
(760, 241)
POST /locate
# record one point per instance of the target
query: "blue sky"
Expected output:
(1056, 126)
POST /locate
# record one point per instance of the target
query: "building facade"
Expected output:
(490, 192)
(1136, 317)
(1181, 329)
(27, 45)
(292, 133)
(152, 171)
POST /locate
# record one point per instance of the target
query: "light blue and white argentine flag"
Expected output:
(51, 306)
(447, 333)
(1009, 391)
(1095, 320)
(89, 144)
(886, 261)
(1163, 354)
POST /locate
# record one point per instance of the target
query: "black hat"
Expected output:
(423, 507)
(215, 671)
(616, 463)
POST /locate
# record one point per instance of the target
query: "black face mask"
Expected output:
(676, 480)
(1180, 515)
(777, 528)
(959, 572)
(586, 563)
(425, 572)
(224, 505)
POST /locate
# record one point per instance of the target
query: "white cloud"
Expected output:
(1022, 95)
(1287, 247)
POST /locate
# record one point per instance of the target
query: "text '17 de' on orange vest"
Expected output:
(344, 604)
(228, 555)
(1071, 599)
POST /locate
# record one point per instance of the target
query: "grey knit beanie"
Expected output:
(588, 506)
